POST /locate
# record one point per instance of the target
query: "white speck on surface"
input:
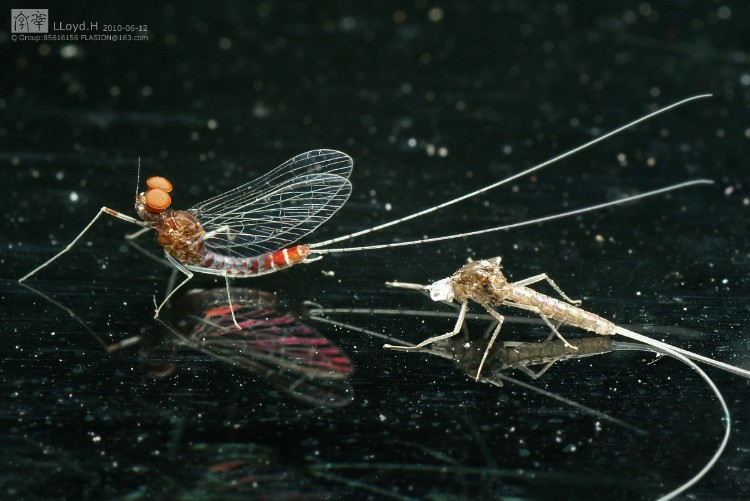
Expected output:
(73, 196)
(69, 51)
(435, 14)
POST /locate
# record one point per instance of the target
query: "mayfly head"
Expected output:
(442, 290)
(155, 199)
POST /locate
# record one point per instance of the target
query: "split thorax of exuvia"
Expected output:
(177, 231)
(481, 281)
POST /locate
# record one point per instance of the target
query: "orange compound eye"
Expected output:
(159, 183)
(157, 200)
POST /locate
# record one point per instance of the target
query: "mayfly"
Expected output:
(252, 230)
(484, 283)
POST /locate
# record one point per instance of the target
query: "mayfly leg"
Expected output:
(189, 275)
(103, 210)
(543, 276)
(456, 330)
(137, 234)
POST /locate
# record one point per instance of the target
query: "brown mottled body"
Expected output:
(177, 231)
(181, 235)
(483, 282)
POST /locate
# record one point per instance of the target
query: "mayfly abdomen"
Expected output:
(555, 309)
(259, 265)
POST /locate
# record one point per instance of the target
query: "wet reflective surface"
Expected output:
(431, 102)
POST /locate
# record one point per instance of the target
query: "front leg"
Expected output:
(103, 210)
(456, 330)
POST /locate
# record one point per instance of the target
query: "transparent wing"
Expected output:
(278, 208)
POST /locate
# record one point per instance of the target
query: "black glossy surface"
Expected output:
(431, 102)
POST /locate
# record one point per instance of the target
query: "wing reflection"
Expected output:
(292, 356)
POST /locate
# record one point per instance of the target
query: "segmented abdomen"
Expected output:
(555, 309)
(259, 265)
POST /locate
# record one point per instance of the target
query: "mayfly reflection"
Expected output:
(294, 357)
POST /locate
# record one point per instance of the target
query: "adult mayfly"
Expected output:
(245, 231)
(250, 230)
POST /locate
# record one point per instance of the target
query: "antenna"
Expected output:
(138, 177)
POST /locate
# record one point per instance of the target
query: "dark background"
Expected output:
(223, 92)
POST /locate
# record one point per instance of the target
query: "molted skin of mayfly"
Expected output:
(181, 235)
(480, 280)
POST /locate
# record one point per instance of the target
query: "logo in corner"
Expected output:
(29, 20)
